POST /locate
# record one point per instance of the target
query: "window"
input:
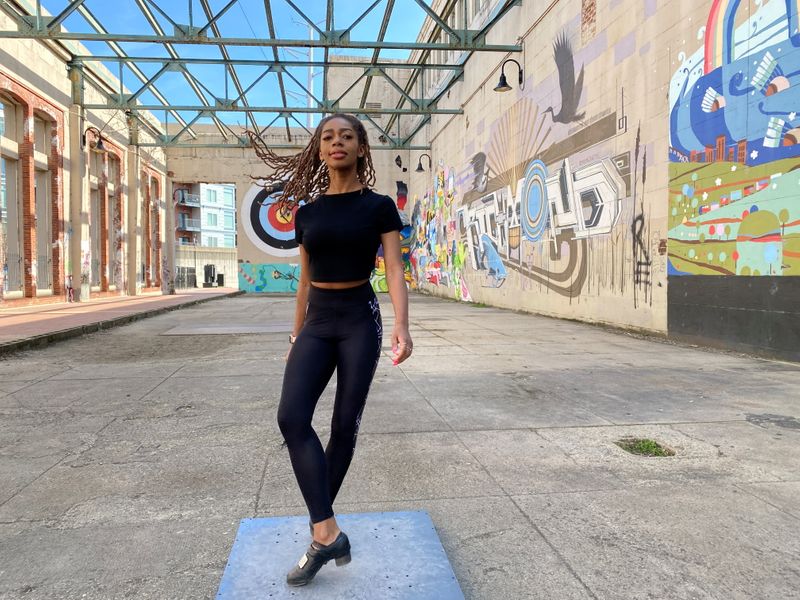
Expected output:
(213, 241)
(229, 243)
(228, 198)
(211, 196)
(43, 204)
(211, 219)
(11, 245)
(229, 221)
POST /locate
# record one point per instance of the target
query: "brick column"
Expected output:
(28, 193)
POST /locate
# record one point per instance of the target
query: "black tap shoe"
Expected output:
(316, 556)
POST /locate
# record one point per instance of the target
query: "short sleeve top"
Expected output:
(341, 233)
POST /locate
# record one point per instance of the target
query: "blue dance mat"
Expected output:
(396, 555)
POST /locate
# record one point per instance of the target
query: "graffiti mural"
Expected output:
(257, 278)
(439, 251)
(378, 277)
(734, 145)
(533, 201)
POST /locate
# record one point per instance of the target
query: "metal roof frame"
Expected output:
(32, 22)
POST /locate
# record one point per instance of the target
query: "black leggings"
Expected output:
(342, 331)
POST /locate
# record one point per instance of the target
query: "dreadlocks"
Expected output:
(305, 176)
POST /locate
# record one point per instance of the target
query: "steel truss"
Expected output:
(32, 23)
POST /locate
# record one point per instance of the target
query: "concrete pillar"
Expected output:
(168, 248)
(77, 181)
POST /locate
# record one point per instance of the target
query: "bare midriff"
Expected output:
(338, 285)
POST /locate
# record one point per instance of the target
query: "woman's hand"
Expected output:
(401, 344)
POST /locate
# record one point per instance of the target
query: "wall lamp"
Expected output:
(502, 85)
(97, 144)
(420, 168)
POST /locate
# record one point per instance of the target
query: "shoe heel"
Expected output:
(343, 560)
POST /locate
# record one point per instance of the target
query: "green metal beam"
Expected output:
(212, 20)
(57, 20)
(387, 15)
(439, 21)
(115, 47)
(269, 63)
(278, 109)
(265, 42)
(156, 26)
(271, 26)
(229, 69)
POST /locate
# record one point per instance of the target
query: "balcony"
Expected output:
(188, 224)
(187, 199)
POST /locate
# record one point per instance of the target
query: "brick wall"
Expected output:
(32, 104)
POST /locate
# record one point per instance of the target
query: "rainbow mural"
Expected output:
(735, 146)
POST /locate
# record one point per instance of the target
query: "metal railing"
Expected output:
(189, 224)
(187, 199)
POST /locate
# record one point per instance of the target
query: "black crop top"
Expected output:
(341, 233)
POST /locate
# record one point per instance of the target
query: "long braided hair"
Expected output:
(305, 176)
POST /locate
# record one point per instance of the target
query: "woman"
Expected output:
(337, 323)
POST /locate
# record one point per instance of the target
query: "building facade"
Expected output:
(73, 213)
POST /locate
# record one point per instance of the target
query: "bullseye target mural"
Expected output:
(268, 227)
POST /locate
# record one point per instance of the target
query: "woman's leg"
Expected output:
(358, 353)
(308, 369)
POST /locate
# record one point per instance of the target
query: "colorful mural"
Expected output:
(540, 197)
(259, 278)
(272, 231)
(439, 253)
(734, 207)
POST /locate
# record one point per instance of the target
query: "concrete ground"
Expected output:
(38, 325)
(128, 457)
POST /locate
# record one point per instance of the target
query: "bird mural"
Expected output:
(571, 88)
(480, 172)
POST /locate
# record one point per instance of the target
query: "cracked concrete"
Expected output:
(128, 457)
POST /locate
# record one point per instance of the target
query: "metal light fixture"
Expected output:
(98, 145)
(420, 168)
(502, 85)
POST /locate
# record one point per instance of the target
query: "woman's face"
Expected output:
(338, 145)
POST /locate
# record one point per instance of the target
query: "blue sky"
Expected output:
(244, 19)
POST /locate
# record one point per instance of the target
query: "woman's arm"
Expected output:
(395, 279)
(302, 292)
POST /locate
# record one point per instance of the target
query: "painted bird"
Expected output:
(570, 88)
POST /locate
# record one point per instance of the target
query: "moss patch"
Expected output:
(644, 447)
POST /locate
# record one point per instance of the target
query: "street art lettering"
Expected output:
(269, 227)
(734, 133)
